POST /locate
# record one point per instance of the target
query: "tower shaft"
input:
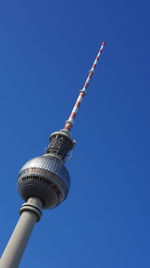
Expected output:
(30, 214)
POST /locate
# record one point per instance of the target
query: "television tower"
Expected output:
(43, 182)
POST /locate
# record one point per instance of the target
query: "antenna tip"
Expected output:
(104, 43)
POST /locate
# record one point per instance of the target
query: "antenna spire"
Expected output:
(70, 122)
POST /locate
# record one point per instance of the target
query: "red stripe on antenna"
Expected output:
(78, 104)
(73, 115)
(82, 94)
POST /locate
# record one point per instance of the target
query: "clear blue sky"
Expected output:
(46, 50)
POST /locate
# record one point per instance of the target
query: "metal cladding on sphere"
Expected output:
(45, 177)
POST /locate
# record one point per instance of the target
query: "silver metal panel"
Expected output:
(50, 164)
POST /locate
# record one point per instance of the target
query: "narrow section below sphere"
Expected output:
(45, 177)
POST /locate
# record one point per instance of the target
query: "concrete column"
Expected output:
(30, 214)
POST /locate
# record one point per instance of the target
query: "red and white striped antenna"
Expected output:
(70, 122)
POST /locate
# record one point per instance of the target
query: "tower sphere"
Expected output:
(45, 177)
